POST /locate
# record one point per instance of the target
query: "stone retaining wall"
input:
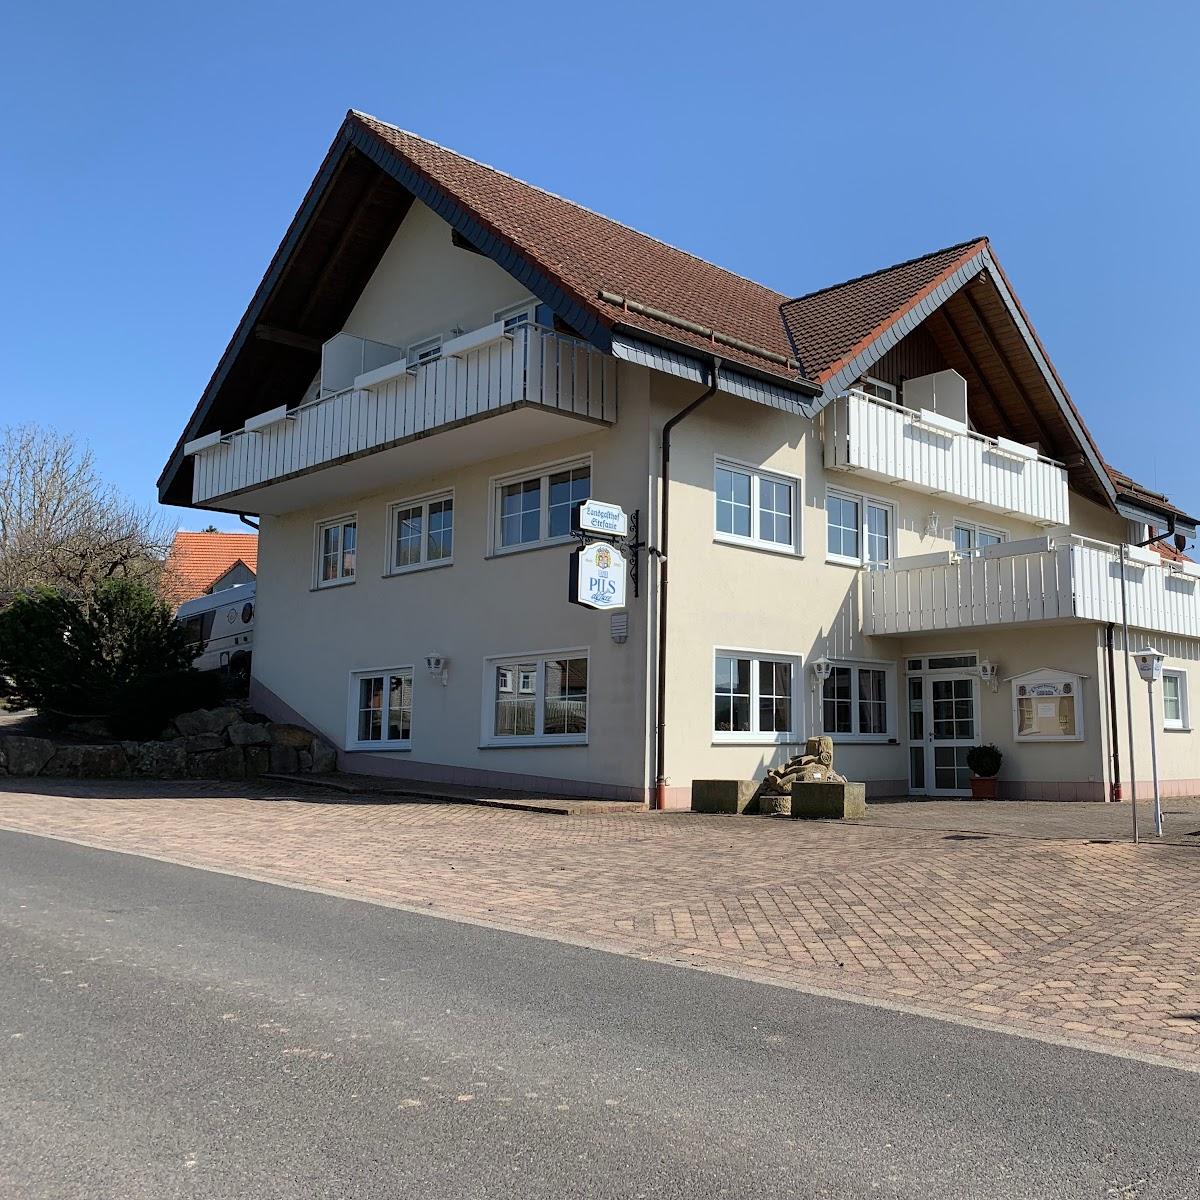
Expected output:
(219, 743)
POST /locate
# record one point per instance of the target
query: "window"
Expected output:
(337, 544)
(855, 701)
(381, 704)
(537, 509)
(199, 630)
(858, 530)
(538, 699)
(754, 697)
(1174, 699)
(969, 539)
(422, 533)
(420, 353)
(879, 390)
(1046, 707)
(516, 315)
(754, 507)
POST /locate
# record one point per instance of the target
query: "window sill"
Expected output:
(526, 743)
(529, 547)
(729, 539)
(861, 739)
(333, 583)
(1177, 729)
(836, 560)
(369, 747)
(415, 568)
(757, 739)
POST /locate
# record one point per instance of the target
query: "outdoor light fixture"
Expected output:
(438, 665)
(932, 523)
(989, 672)
(1150, 665)
(822, 668)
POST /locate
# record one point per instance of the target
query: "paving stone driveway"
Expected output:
(1095, 942)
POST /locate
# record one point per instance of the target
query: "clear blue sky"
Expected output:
(154, 153)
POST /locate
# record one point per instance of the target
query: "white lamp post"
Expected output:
(1149, 665)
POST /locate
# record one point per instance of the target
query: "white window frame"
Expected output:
(419, 353)
(390, 566)
(889, 695)
(755, 541)
(863, 500)
(976, 529)
(753, 736)
(1184, 722)
(341, 579)
(353, 741)
(542, 472)
(890, 388)
(1048, 676)
(489, 739)
(526, 309)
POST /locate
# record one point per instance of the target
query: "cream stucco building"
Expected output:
(885, 518)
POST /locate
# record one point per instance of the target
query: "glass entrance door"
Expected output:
(951, 727)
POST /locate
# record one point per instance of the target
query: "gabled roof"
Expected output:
(198, 560)
(631, 295)
(830, 327)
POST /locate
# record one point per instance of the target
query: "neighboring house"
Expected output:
(887, 519)
(201, 563)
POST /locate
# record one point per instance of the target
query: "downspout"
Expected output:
(245, 520)
(664, 530)
(1112, 714)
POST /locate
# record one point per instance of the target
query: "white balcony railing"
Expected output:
(479, 375)
(928, 453)
(1035, 580)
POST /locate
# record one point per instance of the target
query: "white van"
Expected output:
(221, 629)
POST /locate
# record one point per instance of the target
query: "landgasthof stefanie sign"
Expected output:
(598, 516)
(598, 576)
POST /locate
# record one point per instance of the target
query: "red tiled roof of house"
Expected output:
(588, 253)
(198, 560)
(830, 326)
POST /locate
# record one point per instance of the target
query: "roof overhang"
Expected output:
(735, 379)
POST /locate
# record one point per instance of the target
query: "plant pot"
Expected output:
(983, 789)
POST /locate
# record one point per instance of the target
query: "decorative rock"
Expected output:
(829, 801)
(258, 760)
(26, 755)
(815, 765)
(304, 761)
(160, 760)
(206, 720)
(246, 733)
(201, 743)
(229, 763)
(284, 760)
(324, 757)
(722, 795)
(295, 736)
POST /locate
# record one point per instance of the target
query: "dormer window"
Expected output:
(420, 353)
(515, 315)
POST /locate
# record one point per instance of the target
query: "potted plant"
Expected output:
(984, 762)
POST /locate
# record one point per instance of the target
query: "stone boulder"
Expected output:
(206, 720)
(247, 733)
(158, 760)
(324, 757)
(296, 737)
(25, 755)
(229, 763)
(88, 762)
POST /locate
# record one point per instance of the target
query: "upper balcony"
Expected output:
(933, 453)
(371, 399)
(1037, 580)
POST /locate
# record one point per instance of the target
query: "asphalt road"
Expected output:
(167, 1032)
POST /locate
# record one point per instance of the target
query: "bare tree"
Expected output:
(62, 526)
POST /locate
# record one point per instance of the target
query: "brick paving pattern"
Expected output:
(1098, 942)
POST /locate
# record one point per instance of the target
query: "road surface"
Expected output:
(169, 1032)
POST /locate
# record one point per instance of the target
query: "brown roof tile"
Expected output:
(586, 253)
(829, 327)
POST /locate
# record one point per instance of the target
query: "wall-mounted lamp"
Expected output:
(989, 672)
(933, 523)
(438, 665)
(822, 668)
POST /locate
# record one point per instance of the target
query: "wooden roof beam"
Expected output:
(1048, 443)
(286, 337)
(973, 363)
